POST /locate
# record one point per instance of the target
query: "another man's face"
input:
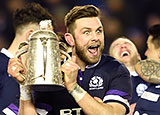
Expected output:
(152, 52)
(124, 50)
(89, 39)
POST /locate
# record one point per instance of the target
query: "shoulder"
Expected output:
(111, 64)
(3, 58)
(3, 61)
(109, 60)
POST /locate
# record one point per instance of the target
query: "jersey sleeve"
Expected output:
(120, 87)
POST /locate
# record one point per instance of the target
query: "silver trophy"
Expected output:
(43, 57)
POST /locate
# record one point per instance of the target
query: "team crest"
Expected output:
(96, 82)
(141, 88)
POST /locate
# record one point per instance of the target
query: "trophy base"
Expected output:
(46, 88)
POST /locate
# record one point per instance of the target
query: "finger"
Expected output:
(15, 68)
(19, 69)
(70, 66)
(72, 62)
(20, 78)
(14, 61)
(73, 59)
(14, 65)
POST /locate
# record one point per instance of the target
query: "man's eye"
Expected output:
(86, 32)
(117, 46)
(99, 31)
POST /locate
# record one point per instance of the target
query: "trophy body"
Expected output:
(43, 60)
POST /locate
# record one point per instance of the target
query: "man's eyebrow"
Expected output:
(89, 28)
(115, 45)
(85, 28)
(100, 27)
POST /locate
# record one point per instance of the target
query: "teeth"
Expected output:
(92, 47)
(124, 53)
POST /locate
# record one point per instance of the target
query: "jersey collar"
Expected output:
(93, 65)
(133, 73)
(7, 53)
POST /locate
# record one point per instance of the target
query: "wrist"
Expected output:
(25, 92)
(77, 92)
(69, 85)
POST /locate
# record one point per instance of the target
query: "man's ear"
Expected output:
(69, 38)
(28, 33)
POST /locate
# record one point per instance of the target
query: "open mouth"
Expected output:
(125, 53)
(93, 49)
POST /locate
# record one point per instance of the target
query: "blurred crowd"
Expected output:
(129, 18)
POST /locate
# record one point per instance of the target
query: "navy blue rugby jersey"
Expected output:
(108, 79)
(149, 103)
(9, 88)
(138, 87)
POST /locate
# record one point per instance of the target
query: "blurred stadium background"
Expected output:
(129, 18)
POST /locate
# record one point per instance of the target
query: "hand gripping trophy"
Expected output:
(43, 57)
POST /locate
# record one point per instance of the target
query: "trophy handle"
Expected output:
(65, 53)
(65, 47)
(22, 51)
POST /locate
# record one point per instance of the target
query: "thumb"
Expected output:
(74, 59)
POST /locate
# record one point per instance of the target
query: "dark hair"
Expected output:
(80, 12)
(31, 13)
(154, 31)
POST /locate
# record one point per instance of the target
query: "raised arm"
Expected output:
(17, 70)
(26, 106)
(92, 107)
(89, 105)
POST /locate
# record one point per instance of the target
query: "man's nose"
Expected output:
(123, 46)
(94, 37)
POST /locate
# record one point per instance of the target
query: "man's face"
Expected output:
(125, 51)
(151, 52)
(89, 39)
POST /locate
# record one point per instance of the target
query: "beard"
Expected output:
(82, 54)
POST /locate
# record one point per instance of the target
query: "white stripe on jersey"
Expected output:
(116, 97)
(8, 111)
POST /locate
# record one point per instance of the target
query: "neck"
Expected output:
(81, 64)
(15, 44)
(130, 67)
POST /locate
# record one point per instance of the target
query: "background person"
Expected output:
(126, 52)
(26, 20)
(149, 70)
